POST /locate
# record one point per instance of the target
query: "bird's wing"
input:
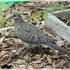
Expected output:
(33, 34)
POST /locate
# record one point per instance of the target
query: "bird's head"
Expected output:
(16, 15)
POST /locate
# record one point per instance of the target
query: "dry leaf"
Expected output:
(60, 64)
(49, 60)
(2, 39)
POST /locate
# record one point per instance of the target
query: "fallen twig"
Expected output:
(6, 28)
(58, 27)
(65, 12)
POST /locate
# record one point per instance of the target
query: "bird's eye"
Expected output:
(14, 15)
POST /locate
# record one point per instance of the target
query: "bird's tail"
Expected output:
(56, 47)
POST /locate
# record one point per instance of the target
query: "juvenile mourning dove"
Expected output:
(30, 34)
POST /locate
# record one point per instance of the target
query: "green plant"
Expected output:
(2, 16)
(4, 5)
(35, 15)
(10, 23)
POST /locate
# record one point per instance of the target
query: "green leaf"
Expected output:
(1, 19)
(4, 5)
(10, 23)
(45, 14)
(35, 15)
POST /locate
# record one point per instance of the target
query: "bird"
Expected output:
(30, 34)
